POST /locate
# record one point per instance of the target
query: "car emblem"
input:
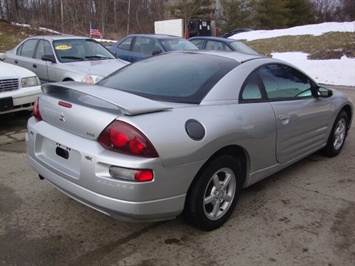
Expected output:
(62, 117)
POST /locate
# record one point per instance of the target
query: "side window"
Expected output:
(148, 46)
(137, 46)
(198, 43)
(213, 45)
(43, 48)
(281, 81)
(126, 44)
(27, 48)
(251, 90)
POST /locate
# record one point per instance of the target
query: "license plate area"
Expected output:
(58, 156)
(6, 104)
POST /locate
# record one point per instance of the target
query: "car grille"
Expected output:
(8, 85)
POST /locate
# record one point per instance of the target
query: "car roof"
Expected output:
(213, 38)
(236, 56)
(58, 37)
(156, 36)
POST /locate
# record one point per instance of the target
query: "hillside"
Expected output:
(332, 45)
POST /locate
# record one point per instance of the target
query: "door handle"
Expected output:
(16, 62)
(34, 66)
(284, 118)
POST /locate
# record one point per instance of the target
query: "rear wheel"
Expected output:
(337, 136)
(214, 194)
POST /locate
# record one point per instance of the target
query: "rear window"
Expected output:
(176, 77)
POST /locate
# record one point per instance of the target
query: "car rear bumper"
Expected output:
(147, 211)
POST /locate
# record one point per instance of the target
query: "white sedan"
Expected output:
(19, 88)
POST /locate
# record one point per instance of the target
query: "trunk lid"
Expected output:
(86, 110)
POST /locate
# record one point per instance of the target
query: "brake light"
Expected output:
(36, 112)
(122, 137)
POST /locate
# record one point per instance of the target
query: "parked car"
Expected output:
(64, 58)
(19, 88)
(236, 31)
(137, 46)
(223, 44)
(184, 137)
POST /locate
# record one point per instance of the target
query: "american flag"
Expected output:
(94, 31)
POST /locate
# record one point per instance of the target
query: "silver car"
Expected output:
(181, 133)
(64, 58)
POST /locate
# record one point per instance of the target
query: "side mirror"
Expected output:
(49, 57)
(324, 92)
(2, 56)
(156, 52)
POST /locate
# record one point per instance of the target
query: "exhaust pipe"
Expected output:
(40, 177)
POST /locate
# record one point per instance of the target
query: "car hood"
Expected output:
(9, 70)
(97, 67)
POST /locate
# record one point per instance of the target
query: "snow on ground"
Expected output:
(333, 71)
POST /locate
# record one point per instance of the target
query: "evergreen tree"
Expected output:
(272, 14)
(238, 14)
(301, 13)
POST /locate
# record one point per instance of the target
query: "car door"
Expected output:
(46, 72)
(24, 55)
(301, 116)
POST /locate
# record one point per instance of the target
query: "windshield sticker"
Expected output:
(63, 47)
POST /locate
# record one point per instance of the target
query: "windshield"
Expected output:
(177, 44)
(176, 77)
(242, 47)
(70, 50)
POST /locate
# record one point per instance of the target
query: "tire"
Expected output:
(337, 136)
(214, 194)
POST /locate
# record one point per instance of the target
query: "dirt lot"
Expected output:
(303, 215)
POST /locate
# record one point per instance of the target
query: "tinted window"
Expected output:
(27, 48)
(174, 77)
(282, 81)
(251, 89)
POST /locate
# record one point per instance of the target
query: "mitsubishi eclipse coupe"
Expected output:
(181, 133)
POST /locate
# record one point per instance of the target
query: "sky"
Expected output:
(332, 72)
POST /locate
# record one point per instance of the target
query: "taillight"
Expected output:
(137, 175)
(36, 112)
(124, 138)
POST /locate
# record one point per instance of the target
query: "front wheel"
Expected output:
(214, 193)
(337, 136)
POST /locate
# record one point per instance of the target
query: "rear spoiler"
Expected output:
(129, 104)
